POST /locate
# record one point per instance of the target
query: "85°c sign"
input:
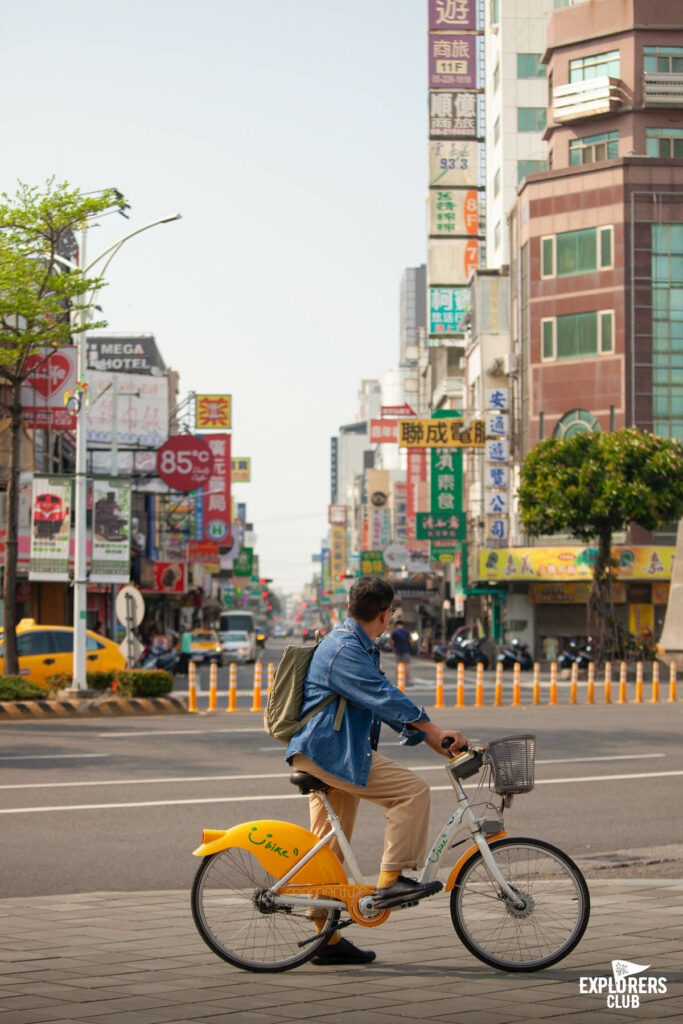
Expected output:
(185, 462)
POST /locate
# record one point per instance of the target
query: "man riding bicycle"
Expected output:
(344, 753)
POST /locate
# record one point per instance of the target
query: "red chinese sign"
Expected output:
(168, 578)
(213, 511)
(204, 551)
(383, 431)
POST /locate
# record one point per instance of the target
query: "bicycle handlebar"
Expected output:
(448, 741)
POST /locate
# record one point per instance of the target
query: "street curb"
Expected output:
(16, 710)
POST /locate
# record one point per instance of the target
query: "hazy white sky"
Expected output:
(291, 136)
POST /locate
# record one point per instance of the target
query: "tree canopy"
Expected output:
(593, 485)
(38, 293)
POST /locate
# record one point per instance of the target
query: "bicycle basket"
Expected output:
(512, 761)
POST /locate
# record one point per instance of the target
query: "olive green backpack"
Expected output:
(281, 719)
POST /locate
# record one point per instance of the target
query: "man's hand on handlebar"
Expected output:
(435, 737)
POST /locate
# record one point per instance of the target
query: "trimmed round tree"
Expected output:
(593, 485)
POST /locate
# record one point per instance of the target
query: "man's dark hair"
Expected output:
(369, 596)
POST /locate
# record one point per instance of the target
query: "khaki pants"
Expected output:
(404, 795)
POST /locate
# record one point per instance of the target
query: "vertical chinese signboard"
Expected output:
(496, 472)
(50, 520)
(337, 552)
(455, 60)
(213, 509)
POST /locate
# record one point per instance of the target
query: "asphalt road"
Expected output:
(119, 804)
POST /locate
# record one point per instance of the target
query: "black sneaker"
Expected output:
(343, 952)
(404, 890)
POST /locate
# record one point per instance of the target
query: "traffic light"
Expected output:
(264, 593)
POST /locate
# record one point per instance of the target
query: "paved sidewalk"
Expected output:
(135, 958)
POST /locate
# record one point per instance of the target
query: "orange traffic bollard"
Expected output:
(672, 681)
(439, 686)
(590, 695)
(258, 672)
(192, 687)
(479, 697)
(232, 692)
(401, 677)
(213, 685)
(553, 683)
(498, 699)
(537, 683)
(655, 681)
(622, 680)
(516, 685)
(608, 682)
(271, 676)
(574, 683)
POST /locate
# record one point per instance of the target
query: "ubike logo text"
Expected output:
(622, 991)
(268, 843)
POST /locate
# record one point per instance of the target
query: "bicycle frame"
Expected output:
(462, 820)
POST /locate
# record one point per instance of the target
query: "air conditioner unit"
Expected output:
(510, 363)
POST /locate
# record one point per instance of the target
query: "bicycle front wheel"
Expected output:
(240, 926)
(554, 915)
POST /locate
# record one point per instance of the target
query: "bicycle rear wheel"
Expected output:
(546, 929)
(240, 927)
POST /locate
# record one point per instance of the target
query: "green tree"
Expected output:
(42, 305)
(593, 485)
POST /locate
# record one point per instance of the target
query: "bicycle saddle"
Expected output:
(308, 783)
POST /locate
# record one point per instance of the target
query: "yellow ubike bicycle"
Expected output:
(516, 904)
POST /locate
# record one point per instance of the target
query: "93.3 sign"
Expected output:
(185, 462)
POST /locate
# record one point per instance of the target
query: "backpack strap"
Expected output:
(339, 717)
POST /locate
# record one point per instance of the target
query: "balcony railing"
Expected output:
(588, 98)
(662, 89)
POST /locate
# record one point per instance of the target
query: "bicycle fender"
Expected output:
(465, 857)
(277, 845)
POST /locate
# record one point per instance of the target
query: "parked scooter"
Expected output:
(156, 657)
(575, 653)
(515, 653)
(466, 652)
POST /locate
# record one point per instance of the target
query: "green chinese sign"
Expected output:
(244, 563)
(372, 563)
(432, 526)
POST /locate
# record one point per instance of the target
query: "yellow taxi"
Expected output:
(206, 647)
(46, 650)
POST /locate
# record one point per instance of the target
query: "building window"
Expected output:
(663, 60)
(496, 182)
(531, 119)
(548, 257)
(494, 12)
(529, 65)
(496, 77)
(577, 252)
(496, 130)
(593, 148)
(578, 421)
(667, 330)
(525, 167)
(664, 142)
(496, 236)
(583, 68)
(577, 335)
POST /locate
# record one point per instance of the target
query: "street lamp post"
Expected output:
(81, 482)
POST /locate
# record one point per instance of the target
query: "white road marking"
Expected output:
(296, 796)
(172, 732)
(278, 775)
(46, 757)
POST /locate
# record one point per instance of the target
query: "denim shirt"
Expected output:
(346, 661)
